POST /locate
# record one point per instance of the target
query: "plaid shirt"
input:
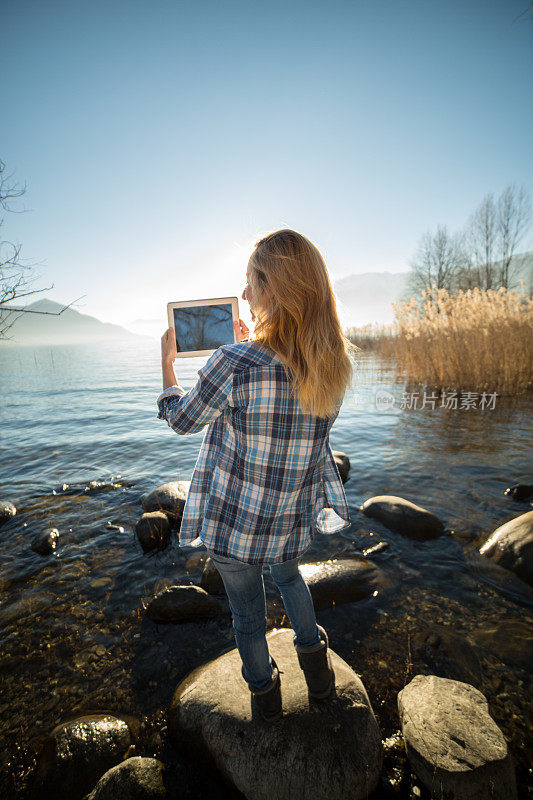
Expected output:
(265, 479)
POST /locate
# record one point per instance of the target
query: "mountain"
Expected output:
(69, 327)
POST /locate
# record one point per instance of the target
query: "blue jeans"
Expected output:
(245, 588)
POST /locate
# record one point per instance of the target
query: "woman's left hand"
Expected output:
(169, 350)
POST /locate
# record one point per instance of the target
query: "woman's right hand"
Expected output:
(241, 331)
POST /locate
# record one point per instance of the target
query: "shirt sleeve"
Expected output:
(189, 412)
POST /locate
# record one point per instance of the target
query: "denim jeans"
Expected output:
(245, 588)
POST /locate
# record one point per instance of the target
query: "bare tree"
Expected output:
(16, 277)
(481, 237)
(513, 217)
(438, 259)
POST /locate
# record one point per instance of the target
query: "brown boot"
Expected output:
(316, 664)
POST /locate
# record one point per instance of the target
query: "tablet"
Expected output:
(200, 326)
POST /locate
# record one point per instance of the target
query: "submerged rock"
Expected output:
(170, 498)
(404, 517)
(7, 510)
(211, 579)
(343, 464)
(77, 753)
(520, 491)
(45, 543)
(318, 749)
(182, 604)
(343, 580)
(135, 779)
(153, 531)
(511, 546)
(452, 742)
(447, 654)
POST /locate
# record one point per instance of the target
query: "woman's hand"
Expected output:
(241, 330)
(169, 350)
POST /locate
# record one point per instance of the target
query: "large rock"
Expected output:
(511, 546)
(153, 531)
(77, 753)
(182, 604)
(7, 510)
(343, 580)
(403, 517)
(135, 779)
(170, 498)
(343, 464)
(452, 742)
(318, 749)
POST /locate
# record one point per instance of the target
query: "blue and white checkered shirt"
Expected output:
(265, 479)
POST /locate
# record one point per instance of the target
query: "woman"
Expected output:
(265, 479)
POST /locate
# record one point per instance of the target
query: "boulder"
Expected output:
(511, 546)
(317, 749)
(439, 651)
(77, 753)
(452, 742)
(343, 464)
(45, 543)
(343, 580)
(135, 779)
(182, 604)
(169, 498)
(403, 517)
(520, 491)
(7, 510)
(211, 579)
(153, 531)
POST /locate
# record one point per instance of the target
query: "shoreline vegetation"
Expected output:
(473, 340)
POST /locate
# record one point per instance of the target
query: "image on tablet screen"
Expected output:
(203, 327)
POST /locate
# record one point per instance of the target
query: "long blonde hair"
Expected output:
(296, 317)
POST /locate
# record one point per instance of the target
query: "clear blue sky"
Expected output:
(159, 139)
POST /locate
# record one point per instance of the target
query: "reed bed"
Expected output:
(474, 340)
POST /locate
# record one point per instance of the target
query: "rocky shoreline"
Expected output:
(446, 743)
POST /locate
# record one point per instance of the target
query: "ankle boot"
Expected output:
(268, 701)
(316, 665)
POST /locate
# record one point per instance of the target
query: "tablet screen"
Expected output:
(203, 327)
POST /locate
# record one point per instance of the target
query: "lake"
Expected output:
(74, 637)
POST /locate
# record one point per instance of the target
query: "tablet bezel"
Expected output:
(209, 301)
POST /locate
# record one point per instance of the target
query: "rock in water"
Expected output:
(76, 755)
(343, 580)
(511, 546)
(45, 543)
(438, 650)
(520, 491)
(403, 517)
(135, 779)
(169, 498)
(7, 510)
(153, 531)
(319, 749)
(182, 604)
(343, 464)
(452, 742)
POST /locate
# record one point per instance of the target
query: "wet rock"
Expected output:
(7, 510)
(440, 651)
(343, 464)
(45, 543)
(77, 753)
(511, 546)
(452, 742)
(135, 779)
(377, 548)
(169, 498)
(153, 531)
(182, 604)
(404, 517)
(211, 579)
(343, 580)
(520, 491)
(318, 749)
(510, 641)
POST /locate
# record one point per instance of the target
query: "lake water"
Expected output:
(73, 635)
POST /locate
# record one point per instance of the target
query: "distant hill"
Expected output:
(70, 327)
(366, 297)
